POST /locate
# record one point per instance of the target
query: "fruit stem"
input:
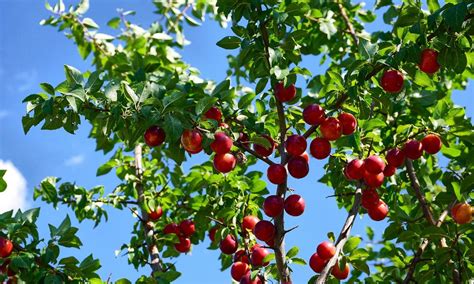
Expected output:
(343, 236)
(147, 224)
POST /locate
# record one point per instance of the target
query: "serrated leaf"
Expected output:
(204, 104)
(367, 49)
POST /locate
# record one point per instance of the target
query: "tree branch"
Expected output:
(417, 257)
(310, 131)
(40, 262)
(343, 236)
(257, 155)
(147, 225)
(419, 195)
(279, 221)
(348, 23)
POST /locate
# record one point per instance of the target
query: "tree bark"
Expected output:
(147, 225)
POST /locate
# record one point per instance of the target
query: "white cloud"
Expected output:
(74, 160)
(14, 196)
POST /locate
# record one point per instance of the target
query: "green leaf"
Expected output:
(88, 22)
(454, 16)
(297, 260)
(131, 93)
(409, 15)
(457, 190)
(422, 79)
(47, 88)
(3, 183)
(374, 123)
(229, 42)
(370, 232)
(73, 76)
(111, 91)
(361, 266)
(292, 252)
(89, 265)
(262, 83)
(64, 227)
(359, 253)
(53, 279)
(93, 82)
(83, 7)
(204, 104)
(106, 168)
(223, 86)
(72, 102)
(114, 23)
(269, 257)
(326, 25)
(246, 100)
(433, 5)
(191, 21)
(351, 244)
(162, 36)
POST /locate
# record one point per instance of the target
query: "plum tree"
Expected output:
(379, 112)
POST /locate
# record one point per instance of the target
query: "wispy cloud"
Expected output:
(74, 160)
(14, 196)
(3, 113)
(26, 80)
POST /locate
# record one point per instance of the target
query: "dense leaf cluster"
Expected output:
(138, 80)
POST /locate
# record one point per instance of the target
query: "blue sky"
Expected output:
(31, 54)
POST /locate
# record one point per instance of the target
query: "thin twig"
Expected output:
(343, 236)
(310, 131)
(257, 155)
(342, 194)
